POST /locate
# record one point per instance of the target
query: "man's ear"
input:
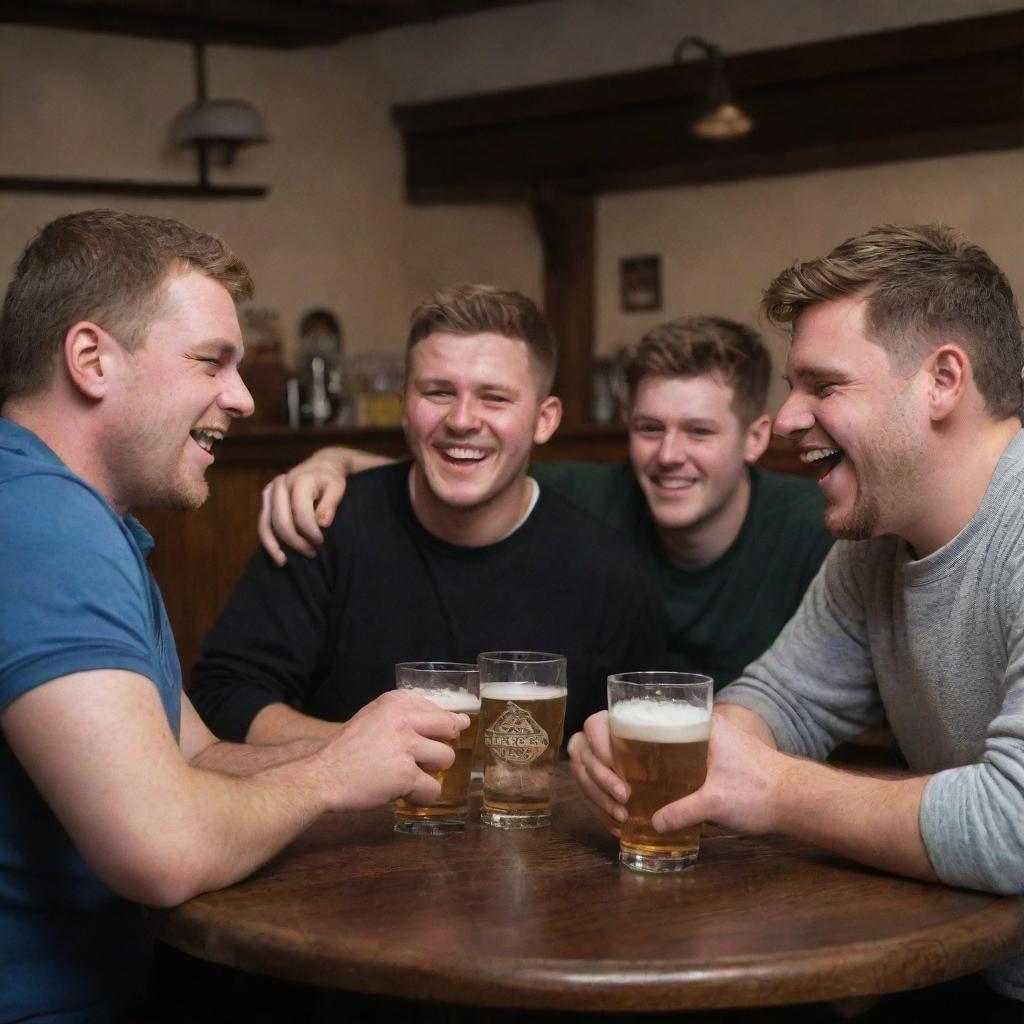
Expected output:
(948, 373)
(549, 415)
(88, 353)
(755, 439)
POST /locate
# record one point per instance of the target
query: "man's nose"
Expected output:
(464, 415)
(794, 418)
(673, 449)
(235, 399)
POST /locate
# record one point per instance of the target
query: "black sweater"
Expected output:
(323, 635)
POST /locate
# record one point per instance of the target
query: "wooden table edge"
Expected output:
(867, 968)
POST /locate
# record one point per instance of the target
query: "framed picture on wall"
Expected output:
(640, 283)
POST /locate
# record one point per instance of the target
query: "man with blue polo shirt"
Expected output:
(119, 353)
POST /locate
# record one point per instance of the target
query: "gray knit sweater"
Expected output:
(938, 645)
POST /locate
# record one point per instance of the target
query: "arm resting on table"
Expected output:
(159, 830)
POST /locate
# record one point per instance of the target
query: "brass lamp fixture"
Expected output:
(723, 120)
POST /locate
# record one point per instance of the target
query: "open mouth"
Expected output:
(823, 459)
(674, 483)
(464, 454)
(206, 439)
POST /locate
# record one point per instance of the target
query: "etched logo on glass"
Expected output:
(515, 737)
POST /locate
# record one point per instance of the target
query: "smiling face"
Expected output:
(473, 411)
(690, 452)
(857, 420)
(178, 394)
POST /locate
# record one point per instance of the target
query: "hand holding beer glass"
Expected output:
(454, 687)
(522, 714)
(660, 724)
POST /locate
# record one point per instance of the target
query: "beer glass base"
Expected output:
(430, 826)
(656, 864)
(503, 819)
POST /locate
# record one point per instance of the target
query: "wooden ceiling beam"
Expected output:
(925, 91)
(281, 24)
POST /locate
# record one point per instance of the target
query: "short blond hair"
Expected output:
(695, 346)
(467, 309)
(922, 283)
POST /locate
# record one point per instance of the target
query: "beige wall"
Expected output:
(721, 245)
(335, 230)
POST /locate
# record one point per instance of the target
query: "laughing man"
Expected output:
(905, 368)
(456, 553)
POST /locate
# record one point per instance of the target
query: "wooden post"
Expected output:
(565, 221)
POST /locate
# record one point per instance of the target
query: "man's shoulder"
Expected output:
(374, 489)
(579, 473)
(607, 490)
(42, 497)
(583, 536)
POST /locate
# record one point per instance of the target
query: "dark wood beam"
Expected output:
(930, 90)
(273, 23)
(565, 222)
(117, 187)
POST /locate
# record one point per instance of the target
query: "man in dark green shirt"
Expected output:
(732, 546)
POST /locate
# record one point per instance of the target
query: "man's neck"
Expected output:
(699, 545)
(956, 484)
(67, 435)
(476, 526)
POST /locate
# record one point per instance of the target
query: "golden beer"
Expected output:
(521, 726)
(660, 725)
(449, 811)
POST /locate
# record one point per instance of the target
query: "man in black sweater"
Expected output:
(457, 553)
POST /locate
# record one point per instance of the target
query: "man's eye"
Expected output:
(647, 428)
(499, 399)
(823, 390)
(701, 432)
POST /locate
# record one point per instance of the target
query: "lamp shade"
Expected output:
(724, 122)
(219, 121)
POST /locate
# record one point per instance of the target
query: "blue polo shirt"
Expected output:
(75, 595)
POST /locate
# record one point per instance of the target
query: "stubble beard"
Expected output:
(895, 470)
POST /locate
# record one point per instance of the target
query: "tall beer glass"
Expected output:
(454, 687)
(522, 712)
(660, 723)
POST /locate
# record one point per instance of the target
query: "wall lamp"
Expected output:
(723, 119)
(216, 128)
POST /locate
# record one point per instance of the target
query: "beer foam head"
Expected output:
(521, 691)
(660, 721)
(450, 700)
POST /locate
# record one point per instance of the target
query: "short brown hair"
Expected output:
(920, 283)
(103, 266)
(466, 309)
(693, 346)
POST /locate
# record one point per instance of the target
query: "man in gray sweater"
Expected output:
(905, 373)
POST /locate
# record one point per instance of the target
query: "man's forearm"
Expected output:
(246, 758)
(869, 818)
(278, 723)
(866, 818)
(352, 460)
(747, 720)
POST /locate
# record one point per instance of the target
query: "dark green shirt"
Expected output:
(721, 617)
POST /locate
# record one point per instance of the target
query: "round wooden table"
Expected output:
(547, 919)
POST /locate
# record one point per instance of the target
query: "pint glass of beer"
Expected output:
(522, 711)
(454, 687)
(660, 723)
